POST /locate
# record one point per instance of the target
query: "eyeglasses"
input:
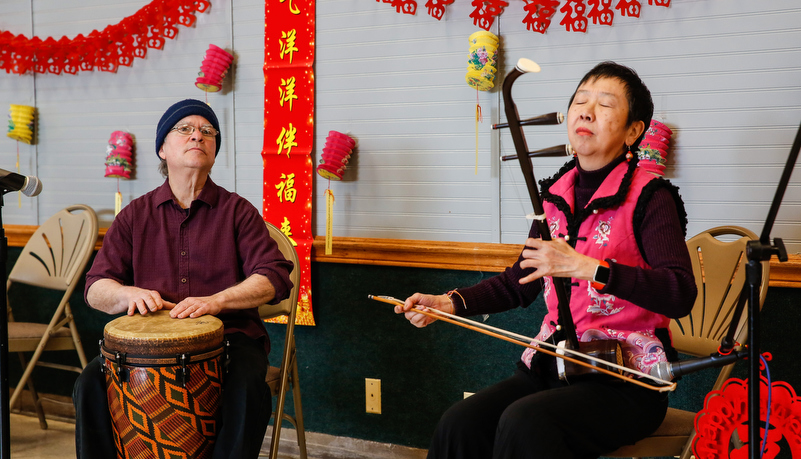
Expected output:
(188, 129)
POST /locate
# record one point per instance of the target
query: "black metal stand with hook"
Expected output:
(757, 252)
(5, 420)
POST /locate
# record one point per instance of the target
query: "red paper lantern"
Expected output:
(212, 71)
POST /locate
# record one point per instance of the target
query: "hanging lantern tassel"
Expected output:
(329, 221)
(333, 162)
(481, 68)
(119, 160)
(213, 69)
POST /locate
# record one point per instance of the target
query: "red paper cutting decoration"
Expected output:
(664, 3)
(574, 19)
(117, 44)
(212, 71)
(436, 8)
(629, 8)
(539, 14)
(402, 6)
(601, 12)
(486, 11)
(725, 415)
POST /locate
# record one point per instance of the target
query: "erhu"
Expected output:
(606, 350)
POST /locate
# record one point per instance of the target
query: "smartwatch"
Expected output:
(601, 276)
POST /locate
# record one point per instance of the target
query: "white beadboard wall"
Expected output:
(724, 75)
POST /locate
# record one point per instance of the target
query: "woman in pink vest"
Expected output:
(618, 238)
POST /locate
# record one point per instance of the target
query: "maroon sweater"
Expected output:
(667, 288)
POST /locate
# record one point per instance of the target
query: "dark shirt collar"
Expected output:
(593, 179)
(208, 195)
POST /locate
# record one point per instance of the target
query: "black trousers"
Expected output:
(246, 406)
(531, 416)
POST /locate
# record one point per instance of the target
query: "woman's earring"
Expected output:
(629, 154)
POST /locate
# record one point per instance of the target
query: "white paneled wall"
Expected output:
(724, 75)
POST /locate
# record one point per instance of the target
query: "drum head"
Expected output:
(157, 334)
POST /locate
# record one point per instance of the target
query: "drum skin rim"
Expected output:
(157, 334)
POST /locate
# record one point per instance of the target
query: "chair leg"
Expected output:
(279, 416)
(37, 402)
(298, 410)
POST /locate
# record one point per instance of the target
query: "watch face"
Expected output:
(601, 275)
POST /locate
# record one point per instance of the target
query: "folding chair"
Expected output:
(280, 378)
(54, 258)
(719, 269)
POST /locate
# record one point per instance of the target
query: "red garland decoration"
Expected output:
(538, 12)
(574, 19)
(486, 11)
(436, 8)
(118, 44)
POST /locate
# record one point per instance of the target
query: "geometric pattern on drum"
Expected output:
(155, 417)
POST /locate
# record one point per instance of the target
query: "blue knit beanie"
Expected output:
(181, 110)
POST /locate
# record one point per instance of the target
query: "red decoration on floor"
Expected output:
(116, 45)
(486, 11)
(725, 415)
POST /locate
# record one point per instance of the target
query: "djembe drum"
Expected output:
(163, 382)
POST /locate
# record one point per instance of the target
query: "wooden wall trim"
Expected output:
(462, 256)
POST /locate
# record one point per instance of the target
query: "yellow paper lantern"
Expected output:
(20, 123)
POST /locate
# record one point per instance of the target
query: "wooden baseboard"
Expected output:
(462, 256)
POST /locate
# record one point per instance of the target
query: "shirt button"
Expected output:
(595, 211)
(183, 253)
(183, 281)
(567, 237)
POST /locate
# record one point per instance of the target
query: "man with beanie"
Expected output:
(194, 248)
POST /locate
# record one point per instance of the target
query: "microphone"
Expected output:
(29, 186)
(542, 120)
(669, 371)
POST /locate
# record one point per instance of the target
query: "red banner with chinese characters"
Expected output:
(289, 131)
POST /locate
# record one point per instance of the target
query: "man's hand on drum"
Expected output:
(441, 302)
(195, 307)
(555, 258)
(143, 301)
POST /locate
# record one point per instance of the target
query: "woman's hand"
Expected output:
(441, 302)
(556, 258)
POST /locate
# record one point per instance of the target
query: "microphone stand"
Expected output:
(5, 428)
(757, 252)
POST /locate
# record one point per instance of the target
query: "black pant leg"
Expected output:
(93, 431)
(582, 420)
(467, 429)
(246, 400)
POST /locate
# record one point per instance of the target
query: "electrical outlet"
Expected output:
(372, 391)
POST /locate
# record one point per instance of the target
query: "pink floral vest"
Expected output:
(609, 234)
